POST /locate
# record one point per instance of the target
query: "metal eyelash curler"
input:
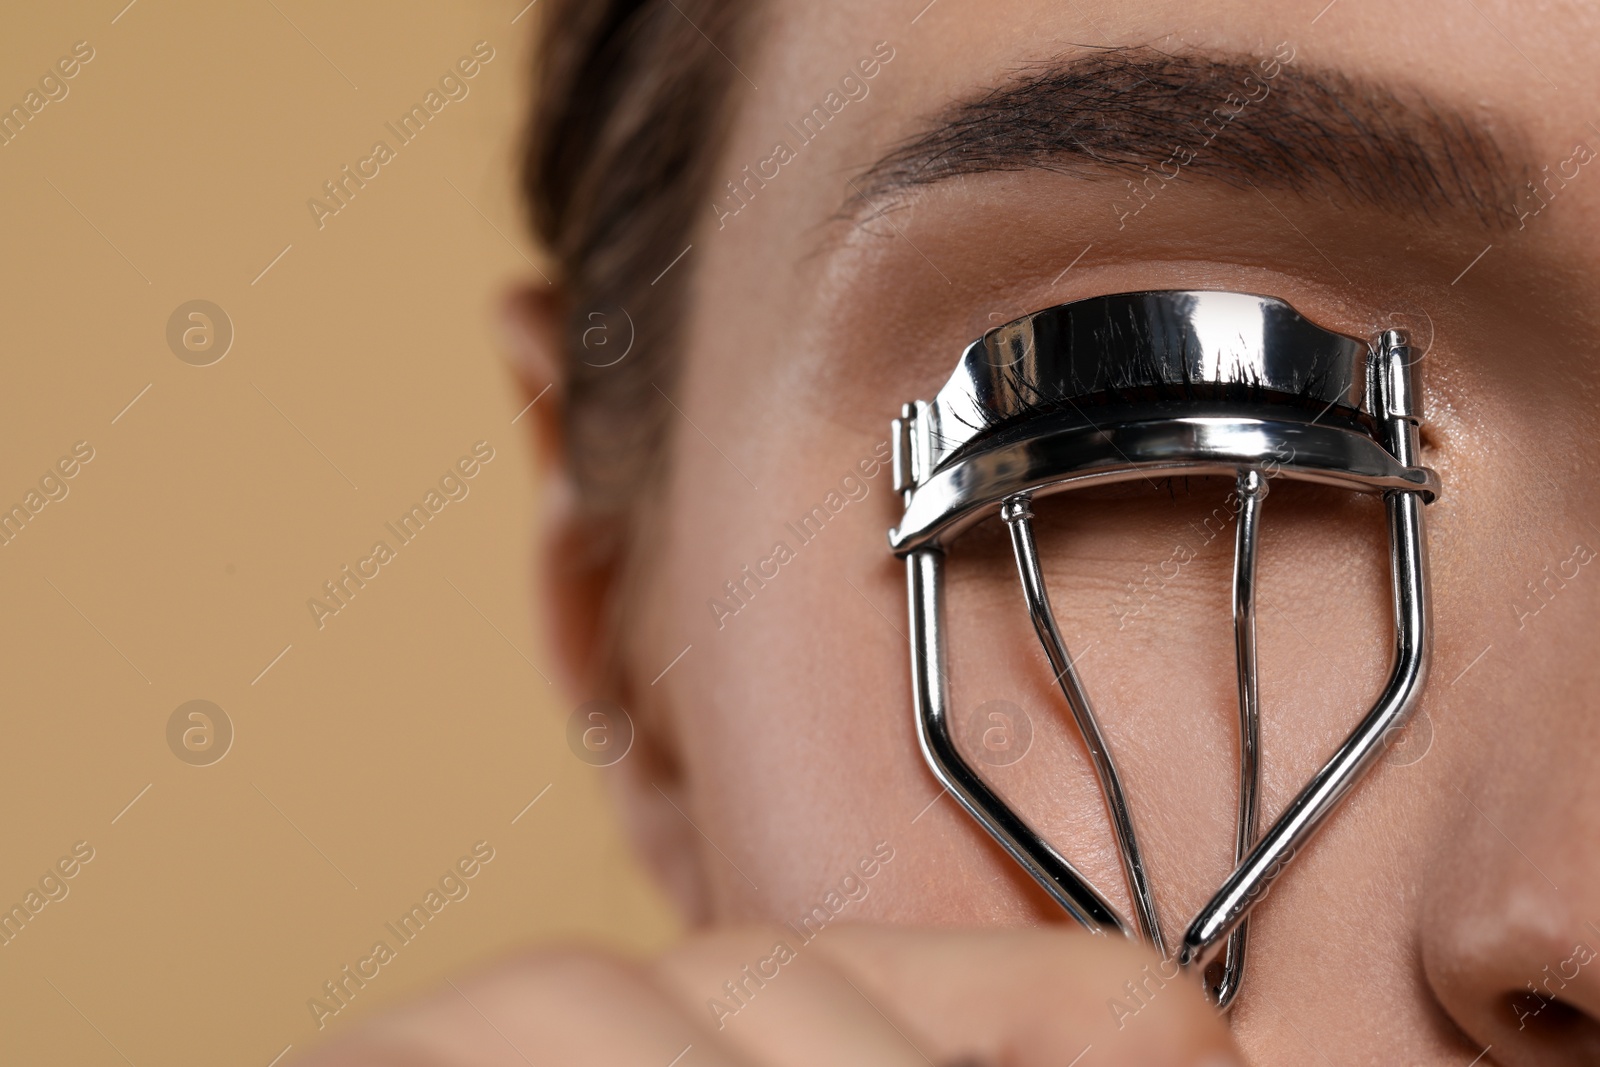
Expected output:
(1165, 383)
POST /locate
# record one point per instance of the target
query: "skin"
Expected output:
(1463, 869)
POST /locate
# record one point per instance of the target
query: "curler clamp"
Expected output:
(1148, 384)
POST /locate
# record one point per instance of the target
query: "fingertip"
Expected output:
(1040, 995)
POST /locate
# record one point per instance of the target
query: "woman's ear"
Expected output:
(575, 595)
(574, 586)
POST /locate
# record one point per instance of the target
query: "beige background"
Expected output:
(375, 752)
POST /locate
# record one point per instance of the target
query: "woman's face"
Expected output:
(827, 292)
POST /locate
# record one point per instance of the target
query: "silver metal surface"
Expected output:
(931, 695)
(1136, 386)
(1017, 515)
(1074, 357)
(1252, 489)
(1252, 879)
(1146, 446)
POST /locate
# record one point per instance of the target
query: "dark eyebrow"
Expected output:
(1119, 112)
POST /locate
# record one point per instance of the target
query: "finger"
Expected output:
(554, 1008)
(782, 1008)
(1032, 997)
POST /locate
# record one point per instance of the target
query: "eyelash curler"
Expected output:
(1163, 384)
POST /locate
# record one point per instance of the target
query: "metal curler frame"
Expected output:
(1179, 382)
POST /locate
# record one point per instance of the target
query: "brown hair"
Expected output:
(631, 107)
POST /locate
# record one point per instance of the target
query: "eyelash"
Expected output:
(1145, 382)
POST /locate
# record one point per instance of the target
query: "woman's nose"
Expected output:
(1511, 927)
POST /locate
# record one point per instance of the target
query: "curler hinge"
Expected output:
(1398, 377)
